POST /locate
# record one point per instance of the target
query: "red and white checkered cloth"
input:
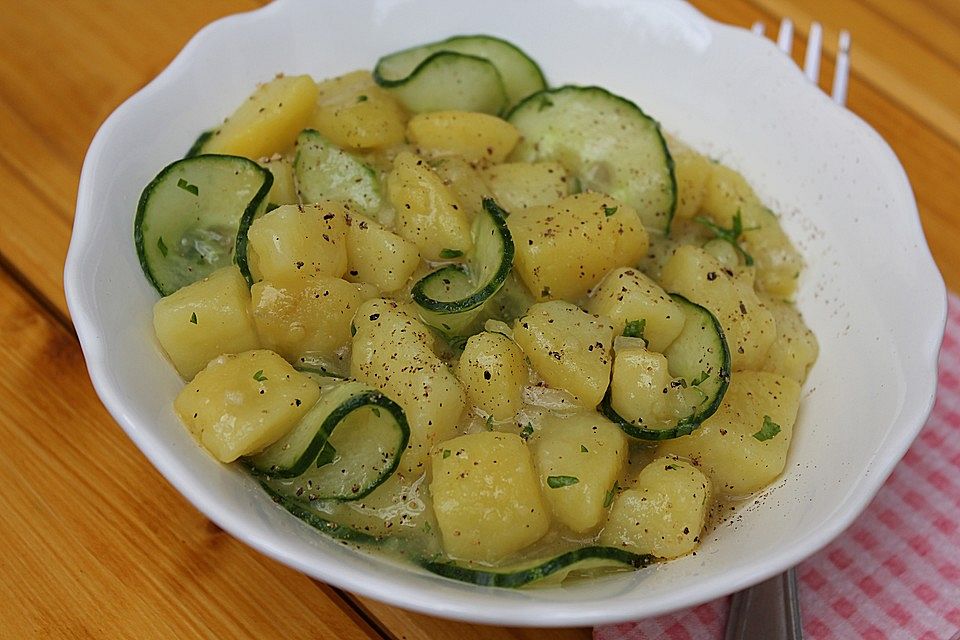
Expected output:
(895, 573)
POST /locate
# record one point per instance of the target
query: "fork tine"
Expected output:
(811, 62)
(757, 28)
(785, 37)
(841, 74)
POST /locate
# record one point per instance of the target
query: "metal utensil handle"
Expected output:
(769, 610)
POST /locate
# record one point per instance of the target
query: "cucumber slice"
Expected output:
(701, 357)
(606, 142)
(520, 75)
(303, 511)
(520, 577)
(192, 218)
(323, 171)
(452, 297)
(318, 460)
(448, 81)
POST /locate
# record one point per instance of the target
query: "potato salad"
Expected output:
(510, 331)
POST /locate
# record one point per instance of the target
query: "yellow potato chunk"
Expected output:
(642, 389)
(466, 182)
(240, 404)
(626, 295)
(283, 190)
(473, 136)
(307, 317)
(777, 261)
(748, 325)
(268, 121)
(563, 250)
(377, 256)
(796, 347)
(392, 351)
(428, 213)
(517, 185)
(579, 457)
(486, 496)
(568, 348)
(665, 512)
(734, 446)
(297, 242)
(692, 171)
(493, 373)
(353, 112)
(205, 319)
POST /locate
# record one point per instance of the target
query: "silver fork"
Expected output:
(771, 609)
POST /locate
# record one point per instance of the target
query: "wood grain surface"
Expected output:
(93, 542)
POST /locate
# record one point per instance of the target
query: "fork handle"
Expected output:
(769, 610)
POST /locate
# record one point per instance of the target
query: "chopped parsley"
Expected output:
(545, 103)
(671, 467)
(186, 186)
(326, 455)
(583, 449)
(376, 411)
(362, 98)
(635, 329)
(193, 318)
(609, 211)
(768, 430)
(700, 378)
(556, 482)
(449, 254)
(731, 235)
(608, 498)
(489, 423)
(259, 377)
(162, 247)
(527, 431)
(446, 453)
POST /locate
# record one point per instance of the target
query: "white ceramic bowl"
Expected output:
(871, 291)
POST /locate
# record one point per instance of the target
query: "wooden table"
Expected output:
(93, 541)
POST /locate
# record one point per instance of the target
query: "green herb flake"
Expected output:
(376, 411)
(635, 329)
(186, 186)
(731, 235)
(450, 254)
(556, 482)
(353, 329)
(700, 378)
(768, 430)
(583, 449)
(608, 498)
(446, 453)
(545, 103)
(527, 431)
(609, 211)
(193, 318)
(489, 423)
(162, 247)
(671, 467)
(259, 377)
(362, 98)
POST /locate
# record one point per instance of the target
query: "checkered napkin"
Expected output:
(895, 573)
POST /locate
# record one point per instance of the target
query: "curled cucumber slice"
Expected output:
(607, 142)
(565, 562)
(193, 217)
(519, 75)
(701, 357)
(346, 446)
(452, 297)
